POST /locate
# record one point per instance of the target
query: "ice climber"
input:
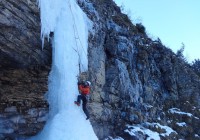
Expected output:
(84, 90)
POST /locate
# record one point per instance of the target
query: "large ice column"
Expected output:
(66, 121)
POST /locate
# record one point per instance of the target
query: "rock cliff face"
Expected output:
(137, 80)
(24, 69)
(138, 85)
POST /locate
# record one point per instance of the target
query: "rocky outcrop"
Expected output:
(136, 79)
(24, 68)
(23, 110)
(20, 35)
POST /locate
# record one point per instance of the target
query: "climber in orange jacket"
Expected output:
(84, 90)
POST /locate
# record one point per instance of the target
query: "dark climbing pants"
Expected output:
(84, 104)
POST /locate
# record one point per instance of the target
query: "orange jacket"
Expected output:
(84, 89)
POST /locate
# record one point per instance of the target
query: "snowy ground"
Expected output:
(139, 129)
(178, 111)
(68, 22)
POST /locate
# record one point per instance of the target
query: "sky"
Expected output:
(173, 21)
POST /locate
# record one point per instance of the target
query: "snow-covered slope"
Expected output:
(66, 121)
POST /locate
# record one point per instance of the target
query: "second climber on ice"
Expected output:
(84, 90)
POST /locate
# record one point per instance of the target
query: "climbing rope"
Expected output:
(77, 38)
(77, 50)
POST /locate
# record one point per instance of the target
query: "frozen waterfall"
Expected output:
(69, 24)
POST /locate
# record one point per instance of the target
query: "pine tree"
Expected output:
(179, 53)
(196, 66)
